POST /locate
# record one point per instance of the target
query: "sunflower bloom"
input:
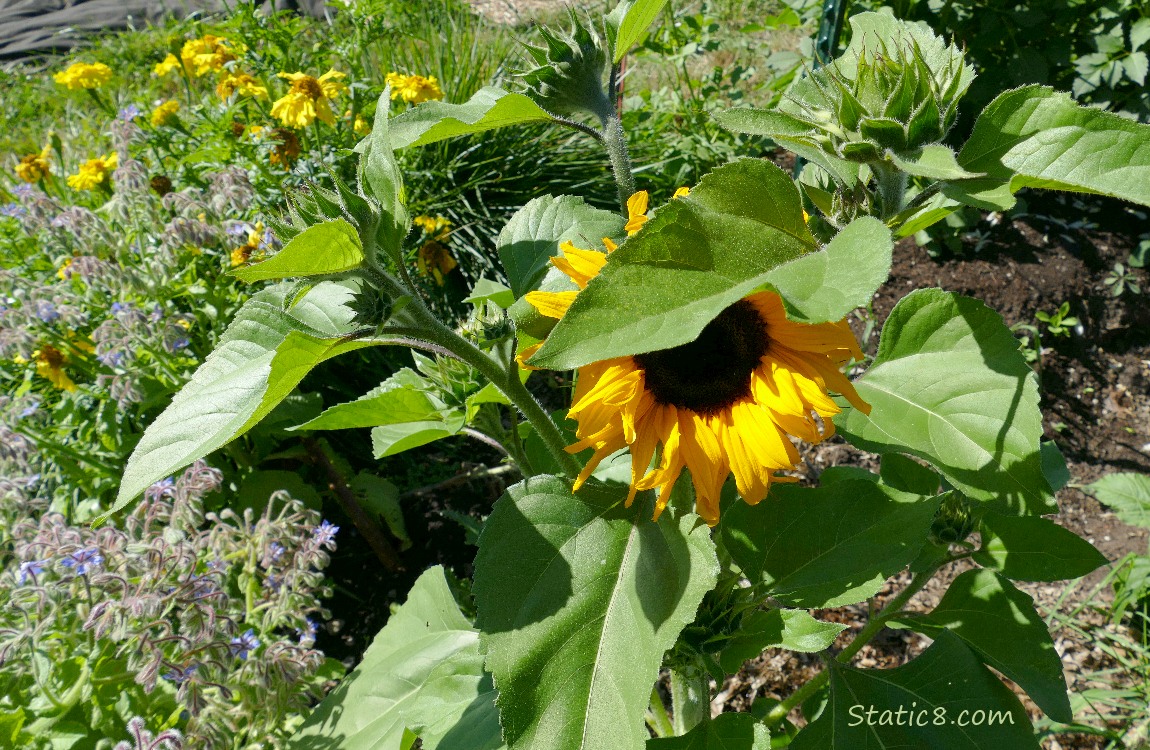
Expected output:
(35, 167)
(94, 172)
(84, 76)
(309, 99)
(206, 55)
(166, 66)
(414, 89)
(50, 365)
(165, 114)
(244, 83)
(726, 403)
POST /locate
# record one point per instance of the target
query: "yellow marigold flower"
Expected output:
(165, 114)
(165, 66)
(361, 127)
(244, 83)
(244, 252)
(50, 365)
(35, 167)
(207, 54)
(65, 270)
(435, 260)
(438, 228)
(308, 99)
(726, 403)
(84, 76)
(413, 89)
(94, 172)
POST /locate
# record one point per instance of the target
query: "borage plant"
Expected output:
(706, 337)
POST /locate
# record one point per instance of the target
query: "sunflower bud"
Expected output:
(571, 68)
(320, 204)
(895, 89)
(955, 520)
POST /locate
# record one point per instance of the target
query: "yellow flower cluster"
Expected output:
(94, 172)
(50, 365)
(84, 76)
(308, 99)
(246, 84)
(166, 66)
(165, 114)
(434, 260)
(205, 55)
(35, 167)
(413, 89)
(244, 252)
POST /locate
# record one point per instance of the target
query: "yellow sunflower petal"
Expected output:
(551, 304)
(580, 265)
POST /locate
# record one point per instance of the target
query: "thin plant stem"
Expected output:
(505, 378)
(872, 628)
(657, 717)
(690, 698)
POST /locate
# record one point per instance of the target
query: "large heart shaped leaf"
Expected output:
(999, 622)
(828, 284)
(695, 257)
(578, 599)
(533, 235)
(1028, 548)
(943, 699)
(1035, 136)
(421, 676)
(830, 546)
(266, 351)
(949, 385)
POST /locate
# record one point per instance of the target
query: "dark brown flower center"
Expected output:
(714, 371)
(308, 86)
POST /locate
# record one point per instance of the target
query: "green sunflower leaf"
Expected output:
(400, 398)
(936, 162)
(794, 134)
(942, 699)
(388, 440)
(727, 731)
(1028, 548)
(1035, 136)
(1126, 494)
(793, 629)
(629, 21)
(999, 624)
(265, 352)
(379, 177)
(421, 677)
(828, 284)
(830, 546)
(330, 247)
(533, 235)
(949, 386)
(489, 108)
(578, 600)
(695, 257)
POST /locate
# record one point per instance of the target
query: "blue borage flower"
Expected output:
(83, 560)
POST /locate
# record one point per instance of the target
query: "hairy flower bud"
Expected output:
(571, 67)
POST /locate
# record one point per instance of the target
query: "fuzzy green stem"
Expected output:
(657, 717)
(615, 141)
(872, 628)
(891, 182)
(506, 379)
(690, 698)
